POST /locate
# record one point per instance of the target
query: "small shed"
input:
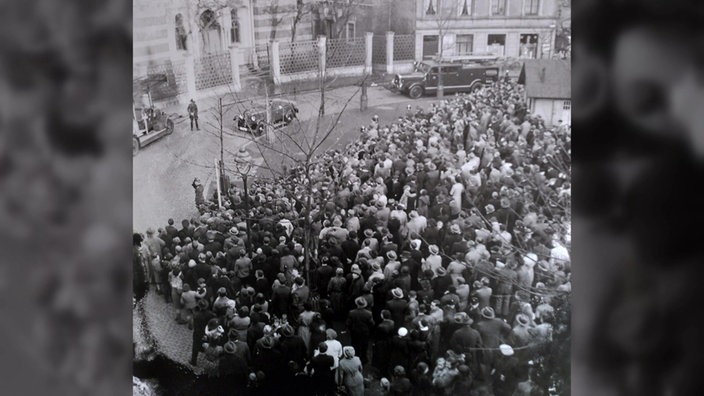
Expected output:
(548, 88)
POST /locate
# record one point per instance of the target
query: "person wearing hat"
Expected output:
(392, 264)
(493, 331)
(400, 352)
(336, 290)
(483, 292)
(400, 384)
(201, 318)
(382, 342)
(360, 324)
(269, 359)
(398, 307)
(507, 278)
(280, 298)
(292, 346)
(351, 372)
(233, 369)
(441, 282)
(465, 337)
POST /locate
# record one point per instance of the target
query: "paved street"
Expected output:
(163, 171)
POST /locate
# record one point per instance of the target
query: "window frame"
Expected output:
(460, 8)
(537, 4)
(464, 43)
(497, 2)
(235, 27)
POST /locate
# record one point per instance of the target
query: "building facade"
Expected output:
(506, 28)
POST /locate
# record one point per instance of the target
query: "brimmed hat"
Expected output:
(368, 233)
(360, 302)
(150, 231)
(376, 266)
(455, 229)
(522, 320)
(391, 255)
(356, 270)
(230, 347)
(434, 249)
(397, 292)
(488, 313)
(203, 304)
(287, 330)
(441, 271)
(462, 318)
(267, 342)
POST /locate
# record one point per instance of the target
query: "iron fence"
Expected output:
(213, 70)
(341, 52)
(404, 47)
(299, 56)
(379, 50)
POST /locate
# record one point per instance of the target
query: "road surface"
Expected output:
(163, 171)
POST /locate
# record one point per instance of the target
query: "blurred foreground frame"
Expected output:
(65, 197)
(638, 131)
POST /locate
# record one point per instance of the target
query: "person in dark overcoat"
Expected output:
(360, 324)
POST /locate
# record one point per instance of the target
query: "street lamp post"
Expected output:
(244, 165)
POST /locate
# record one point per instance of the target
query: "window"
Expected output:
(430, 10)
(181, 35)
(496, 44)
(567, 105)
(464, 44)
(496, 39)
(528, 47)
(464, 7)
(531, 7)
(350, 31)
(235, 29)
(498, 7)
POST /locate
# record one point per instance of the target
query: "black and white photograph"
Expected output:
(351, 197)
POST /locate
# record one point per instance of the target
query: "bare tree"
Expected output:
(302, 9)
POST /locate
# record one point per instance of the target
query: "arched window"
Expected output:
(210, 32)
(181, 35)
(235, 28)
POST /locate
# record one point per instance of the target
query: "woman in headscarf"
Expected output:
(351, 372)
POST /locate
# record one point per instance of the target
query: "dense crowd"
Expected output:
(438, 246)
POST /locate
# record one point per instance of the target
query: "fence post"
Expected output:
(235, 66)
(190, 68)
(389, 52)
(322, 54)
(419, 46)
(274, 62)
(368, 43)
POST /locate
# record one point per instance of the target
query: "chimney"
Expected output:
(542, 74)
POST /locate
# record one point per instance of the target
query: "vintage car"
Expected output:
(458, 75)
(148, 126)
(253, 120)
(149, 123)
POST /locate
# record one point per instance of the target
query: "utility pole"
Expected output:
(441, 88)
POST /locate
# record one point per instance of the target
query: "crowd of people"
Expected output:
(434, 260)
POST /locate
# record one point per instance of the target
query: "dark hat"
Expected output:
(488, 313)
(230, 347)
(203, 304)
(267, 342)
(360, 302)
(287, 330)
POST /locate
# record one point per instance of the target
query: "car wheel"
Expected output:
(135, 146)
(169, 127)
(476, 87)
(415, 92)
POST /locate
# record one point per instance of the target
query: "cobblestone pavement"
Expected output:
(173, 340)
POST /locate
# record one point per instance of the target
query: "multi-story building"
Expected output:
(506, 28)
